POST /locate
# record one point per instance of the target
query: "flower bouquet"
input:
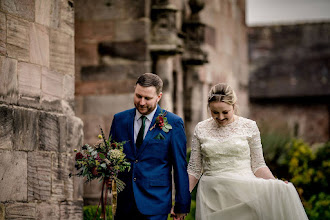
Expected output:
(103, 161)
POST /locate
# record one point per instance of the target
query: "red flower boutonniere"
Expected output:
(162, 123)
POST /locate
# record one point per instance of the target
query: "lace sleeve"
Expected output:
(195, 161)
(257, 158)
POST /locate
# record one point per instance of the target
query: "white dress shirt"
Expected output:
(138, 123)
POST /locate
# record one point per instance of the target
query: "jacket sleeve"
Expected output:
(113, 128)
(181, 181)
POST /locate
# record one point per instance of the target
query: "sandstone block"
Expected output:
(21, 211)
(91, 127)
(8, 80)
(39, 45)
(24, 9)
(13, 172)
(18, 38)
(107, 104)
(127, 50)
(47, 211)
(18, 53)
(29, 80)
(67, 17)
(114, 71)
(51, 84)
(75, 134)
(39, 175)
(68, 87)
(105, 87)
(43, 12)
(26, 129)
(3, 35)
(55, 14)
(95, 10)
(51, 106)
(94, 31)
(49, 132)
(132, 30)
(78, 188)
(62, 185)
(71, 210)
(6, 127)
(86, 54)
(61, 52)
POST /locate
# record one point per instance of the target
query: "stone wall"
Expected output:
(290, 79)
(38, 127)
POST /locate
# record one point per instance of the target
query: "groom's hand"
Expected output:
(180, 216)
(177, 216)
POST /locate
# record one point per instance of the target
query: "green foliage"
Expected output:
(318, 207)
(310, 173)
(90, 211)
(273, 144)
(306, 167)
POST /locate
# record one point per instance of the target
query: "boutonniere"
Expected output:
(162, 123)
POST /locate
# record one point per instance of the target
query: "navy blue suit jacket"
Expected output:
(149, 182)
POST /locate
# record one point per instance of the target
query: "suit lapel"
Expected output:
(150, 134)
(130, 130)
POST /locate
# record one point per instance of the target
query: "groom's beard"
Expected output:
(145, 109)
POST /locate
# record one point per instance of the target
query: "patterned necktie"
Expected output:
(139, 138)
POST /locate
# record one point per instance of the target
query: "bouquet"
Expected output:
(103, 161)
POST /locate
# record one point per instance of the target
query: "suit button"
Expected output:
(136, 161)
(134, 179)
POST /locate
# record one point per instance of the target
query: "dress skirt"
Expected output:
(246, 197)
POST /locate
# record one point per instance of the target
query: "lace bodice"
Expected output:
(234, 148)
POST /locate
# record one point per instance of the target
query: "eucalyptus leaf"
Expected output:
(165, 129)
(168, 126)
(101, 156)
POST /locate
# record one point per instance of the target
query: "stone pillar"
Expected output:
(164, 45)
(193, 60)
(38, 129)
(112, 51)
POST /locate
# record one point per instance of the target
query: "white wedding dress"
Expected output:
(224, 159)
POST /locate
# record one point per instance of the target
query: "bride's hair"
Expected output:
(222, 93)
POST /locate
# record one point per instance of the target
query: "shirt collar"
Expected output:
(149, 116)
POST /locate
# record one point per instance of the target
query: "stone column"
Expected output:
(193, 60)
(164, 45)
(38, 129)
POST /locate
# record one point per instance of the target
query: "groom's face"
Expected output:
(146, 99)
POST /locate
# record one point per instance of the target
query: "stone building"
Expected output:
(190, 44)
(38, 127)
(62, 58)
(290, 80)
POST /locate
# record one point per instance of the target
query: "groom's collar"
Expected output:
(150, 116)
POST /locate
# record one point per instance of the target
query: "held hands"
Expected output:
(177, 216)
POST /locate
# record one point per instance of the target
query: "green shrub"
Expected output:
(90, 211)
(275, 152)
(310, 173)
(318, 207)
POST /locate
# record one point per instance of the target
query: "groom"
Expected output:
(154, 148)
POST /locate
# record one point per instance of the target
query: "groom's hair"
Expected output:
(150, 79)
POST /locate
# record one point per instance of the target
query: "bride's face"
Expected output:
(222, 113)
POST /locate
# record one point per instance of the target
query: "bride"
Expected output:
(227, 159)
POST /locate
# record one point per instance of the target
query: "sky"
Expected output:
(261, 12)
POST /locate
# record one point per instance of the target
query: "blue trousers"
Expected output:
(135, 214)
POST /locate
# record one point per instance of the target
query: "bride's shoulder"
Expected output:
(246, 122)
